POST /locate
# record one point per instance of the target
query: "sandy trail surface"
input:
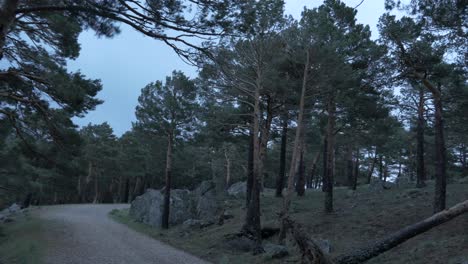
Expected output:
(84, 234)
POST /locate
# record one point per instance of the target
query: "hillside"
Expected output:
(360, 218)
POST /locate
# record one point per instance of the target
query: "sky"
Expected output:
(130, 60)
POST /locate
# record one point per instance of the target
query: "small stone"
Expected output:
(275, 251)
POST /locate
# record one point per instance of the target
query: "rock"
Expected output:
(463, 180)
(148, 207)
(192, 224)
(239, 243)
(238, 190)
(324, 245)
(414, 193)
(275, 251)
(207, 204)
(377, 184)
(14, 208)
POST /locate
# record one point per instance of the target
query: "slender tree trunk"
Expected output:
(282, 167)
(96, 188)
(264, 138)
(440, 181)
(7, 17)
(79, 189)
(295, 153)
(167, 191)
(328, 188)
(300, 185)
(250, 169)
(252, 225)
(349, 167)
(228, 169)
(420, 170)
(127, 191)
(381, 167)
(324, 165)
(313, 177)
(356, 171)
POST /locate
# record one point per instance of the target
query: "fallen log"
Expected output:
(393, 240)
(312, 254)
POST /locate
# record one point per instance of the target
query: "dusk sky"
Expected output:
(129, 61)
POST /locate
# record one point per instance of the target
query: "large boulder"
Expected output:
(207, 203)
(238, 189)
(148, 207)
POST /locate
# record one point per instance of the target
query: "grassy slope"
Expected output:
(20, 241)
(359, 219)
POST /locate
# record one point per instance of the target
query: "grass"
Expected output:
(20, 241)
(360, 217)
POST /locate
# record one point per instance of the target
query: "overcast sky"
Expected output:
(129, 61)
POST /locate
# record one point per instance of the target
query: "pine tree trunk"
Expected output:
(282, 167)
(349, 166)
(328, 188)
(7, 17)
(420, 170)
(167, 191)
(96, 188)
(381, 168)
(313, 177)
(297, 149)
(300, 185)
(127, 191)
(250, 173)
(371, 168)
(356, 171)
(228, 170)
(440, 181)
(324, 165)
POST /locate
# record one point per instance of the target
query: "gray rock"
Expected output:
(207, 204)
(148, 207)
(14, 208)
(238, 190)
(192, 224)
(275, 251)
(324, 245)
(463, 180)
(239, 243)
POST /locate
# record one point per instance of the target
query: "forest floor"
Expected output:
(360, 217)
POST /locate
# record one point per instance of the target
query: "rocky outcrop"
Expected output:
(202, 204)
(238, 190)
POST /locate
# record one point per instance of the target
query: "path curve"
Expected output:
(84, 234)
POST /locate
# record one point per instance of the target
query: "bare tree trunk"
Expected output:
(264, 138)
(282, 168)
(420, 170)
(328, 188)
(313, 177)
(250, 173)
(381, 167)
(96, 188)
(7, 17)
(349, 166)
(371, 168)
(252, 225)
(441, 180)
(300, 185)
(167, 191)
(402, 235)
(296, 152)
(356, 171)
(127, 191)
(228, 169)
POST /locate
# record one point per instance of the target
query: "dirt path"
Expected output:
(84, 234)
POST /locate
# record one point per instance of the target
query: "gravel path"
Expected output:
(84, 234)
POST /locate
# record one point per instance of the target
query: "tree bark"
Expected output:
(296, 151)
(381, 167)
(349, 166)
(420, 170)
(402, 235)
(228, 169)
(250, 173)
(329, 175)
(282, 167)
(440, 177)
(300, 185)
(356, 171)
(313, 177)
(167, 191)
